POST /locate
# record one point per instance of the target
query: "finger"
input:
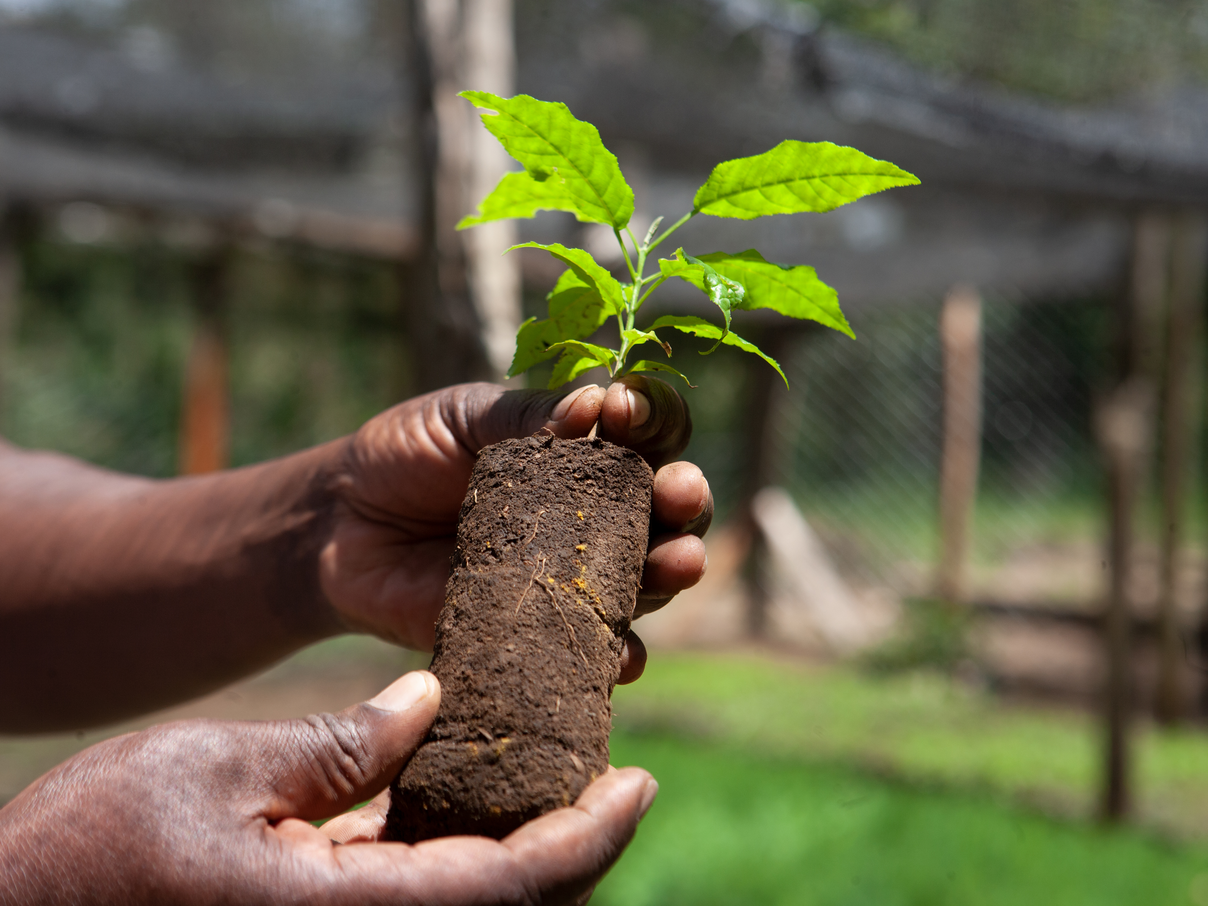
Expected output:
(577, 412)
(675, 562)
(599, 826)
(478, 415)
(554, 859)
(682, 499)
(362, 825)
(648, 416)
(633, 659)
(324, 764)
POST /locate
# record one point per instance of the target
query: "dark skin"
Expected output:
(122, 595)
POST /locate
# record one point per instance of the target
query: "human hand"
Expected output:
(405, 473)
(217, 811)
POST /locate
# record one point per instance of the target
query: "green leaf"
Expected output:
(725, 293)
(647, 365)
(601, 354)
(578, 357)
(587, 270)
(793, 177)
(637, 338)
(793, 291)
(576, 306)
(576, 311)
(701, 328)
(519, 195)
(552, 145)
(533, 340)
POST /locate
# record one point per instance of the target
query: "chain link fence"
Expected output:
(858, 443)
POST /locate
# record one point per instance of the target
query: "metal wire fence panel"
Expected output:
(860, 438)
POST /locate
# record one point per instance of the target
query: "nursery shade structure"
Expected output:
(1016, 194)
(85, 122)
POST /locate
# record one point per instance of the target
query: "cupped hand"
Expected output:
(405, 473)
(216, 811)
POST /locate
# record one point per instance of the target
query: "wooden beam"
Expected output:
(1179, 424)
(205, 415)
(960, 336)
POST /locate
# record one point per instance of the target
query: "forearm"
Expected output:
(119, 595)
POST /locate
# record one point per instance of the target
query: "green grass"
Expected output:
(735, 827)
(918, 728)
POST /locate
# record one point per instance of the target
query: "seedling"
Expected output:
(567, 168)
(553, 533)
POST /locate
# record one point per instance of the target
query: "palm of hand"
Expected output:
(407, 470)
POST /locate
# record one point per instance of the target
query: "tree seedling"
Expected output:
(553, 533)
(568, 168)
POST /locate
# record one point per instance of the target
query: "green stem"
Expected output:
(637, 274)
(625, 251)
(658, 281)
(671, 229)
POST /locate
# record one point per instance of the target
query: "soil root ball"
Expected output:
(550, 546)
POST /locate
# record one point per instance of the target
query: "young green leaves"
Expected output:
(567, 168)
(795, 177)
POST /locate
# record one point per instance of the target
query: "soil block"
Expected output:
(550, 547)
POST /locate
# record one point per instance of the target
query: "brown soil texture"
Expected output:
(550, 546)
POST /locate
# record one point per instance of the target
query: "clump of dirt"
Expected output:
(550, 546)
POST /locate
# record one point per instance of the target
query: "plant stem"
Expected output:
(625, 251)
(637, 274)
(671, 229)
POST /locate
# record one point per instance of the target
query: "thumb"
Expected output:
(324, 764)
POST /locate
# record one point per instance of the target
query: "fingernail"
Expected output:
(704, 501)
(703, 516)
(563, 407)
(648, 794)
(405, 691)
(639, 408)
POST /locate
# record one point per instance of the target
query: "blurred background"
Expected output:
(953, 643)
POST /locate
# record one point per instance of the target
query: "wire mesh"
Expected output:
(860, 439)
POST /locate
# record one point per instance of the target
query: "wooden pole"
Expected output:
(1189, 246)
(445, 331)
(1123, 430)
(205, 417)
(490, 65)
(1140, 334)
(763, 391)
(1122, 427)
(10, 288)
(960, 336)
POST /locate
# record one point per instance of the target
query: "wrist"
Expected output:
(299, 532)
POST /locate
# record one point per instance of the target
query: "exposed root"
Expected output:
(570, 630)
(540, 568)
(536, 522)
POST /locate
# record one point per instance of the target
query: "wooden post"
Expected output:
(444, 328)
(1140, 334)
(205, 417)
(490, 65)
(960, 335)
(762, 392)
(10, 287)
(1122, 427)
(1179, 423)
